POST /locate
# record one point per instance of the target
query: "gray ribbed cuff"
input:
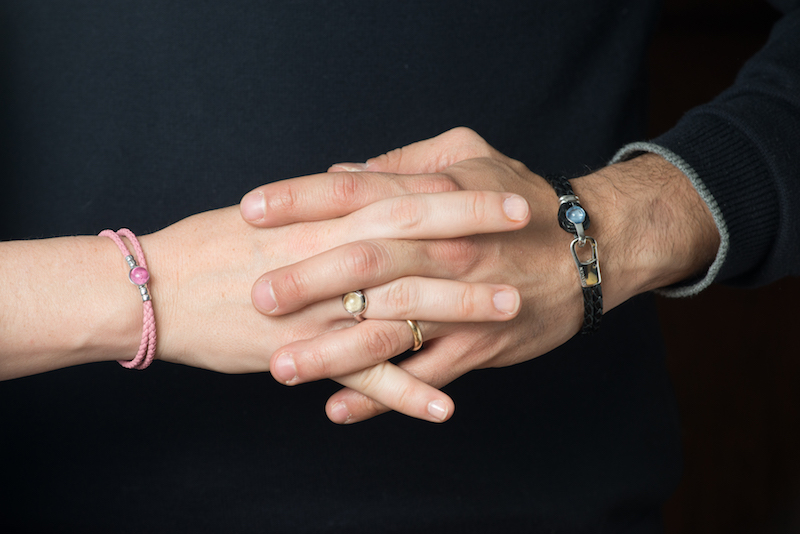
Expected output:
(691, 288)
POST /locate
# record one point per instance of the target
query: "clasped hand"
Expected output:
(442, 232)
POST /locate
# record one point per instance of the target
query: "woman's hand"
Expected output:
(73, 304)
(651, 227)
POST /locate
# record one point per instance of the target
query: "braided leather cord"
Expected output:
(560, 184)
(147, 347)
(592, 296)
(592, 309)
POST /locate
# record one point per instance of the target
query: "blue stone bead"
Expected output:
(576, 215)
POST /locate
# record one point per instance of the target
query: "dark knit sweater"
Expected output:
(744, 147)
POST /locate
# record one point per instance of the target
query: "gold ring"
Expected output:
(417, 333)
(355, 302)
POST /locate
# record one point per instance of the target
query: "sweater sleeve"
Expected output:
(742, 153)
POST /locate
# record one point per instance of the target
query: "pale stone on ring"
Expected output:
(355, 302)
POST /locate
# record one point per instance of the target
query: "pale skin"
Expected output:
(399, 230)
(651, 226)
(73, 304)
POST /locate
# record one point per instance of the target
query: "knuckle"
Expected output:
(346, 189)
(283, 199)
(459, 255)
(463, 134)
(389, 161)
(293, 286)
(381, 342)
(478, 207)
(467, 137)
(404, 399)
(402, 298)
(366, 260)
(443, 183)
(394, 157)
(372, 378)
(405, 213)
(429, 183)
(518, 167)
(313, 365)
(465, 301)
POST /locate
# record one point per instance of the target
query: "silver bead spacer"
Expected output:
(145, 294)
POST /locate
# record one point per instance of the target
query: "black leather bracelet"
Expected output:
(574, 219)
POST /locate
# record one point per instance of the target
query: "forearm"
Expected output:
(653, 227)
(71, 301)
(67, 302)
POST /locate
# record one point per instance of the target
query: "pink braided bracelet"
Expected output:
(139, 276)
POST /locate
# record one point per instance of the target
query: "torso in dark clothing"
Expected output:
(203, 101)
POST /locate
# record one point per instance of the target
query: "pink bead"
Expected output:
(139, 276)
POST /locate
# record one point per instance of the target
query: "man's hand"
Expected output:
(203, 268)
(651, 228)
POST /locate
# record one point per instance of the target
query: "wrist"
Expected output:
(161, 258)
(111, 329)
(653, 228)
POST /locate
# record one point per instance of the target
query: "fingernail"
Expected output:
(506, 301)
(515, 207)
(340, 414)
(253, 206)
(437, 409)
(264, 297)
(284, 368)
(351, 167)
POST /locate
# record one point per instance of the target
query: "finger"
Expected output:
(374, 262)
(365, 369)
(327, 196)
(349, 350)
(396, 389)
(438, 365)
(434, 299)
(375, 265)
(437, 216)
(428, 156)
(341, 404)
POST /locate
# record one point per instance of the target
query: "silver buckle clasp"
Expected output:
(589, 270)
